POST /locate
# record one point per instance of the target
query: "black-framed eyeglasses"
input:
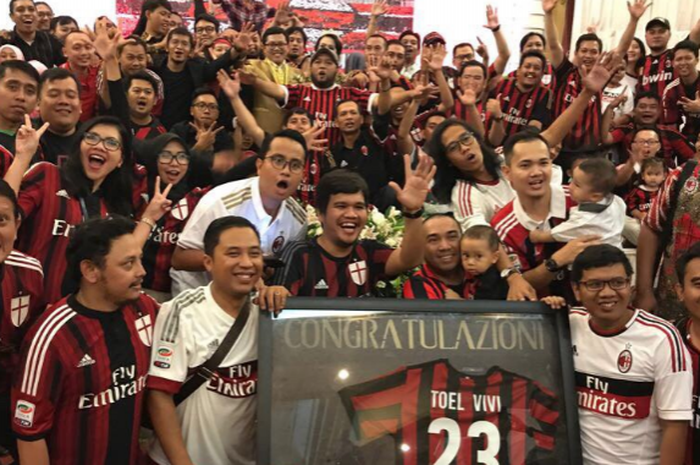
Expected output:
(206, 106)
(465, 140)
(276, 44)
(280, 163)
(207, 29)
(597, 285)
(167, 158)
(110, 143)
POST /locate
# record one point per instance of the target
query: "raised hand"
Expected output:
(467, 97)
(492, 21)
(27, 138)
(482, 50)
(417, 186)
(548, 5)
(283, 13)
(206, 136)
(597, 78)
(421, 93)
(690, 106)
(619, 100)
(637, 8)
(493, 106)
(313, 138)
(245, 37)
(437, 58)
(379, 8)
(231, 85)
(159, 204)
(105, 46)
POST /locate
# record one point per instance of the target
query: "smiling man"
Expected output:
(35, 44)
(59, 105)
(18, 95)
(265, 200)
(681, 98)
(79, 53)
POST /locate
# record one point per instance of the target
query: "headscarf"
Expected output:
(18, 52)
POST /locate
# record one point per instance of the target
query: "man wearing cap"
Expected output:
(657, 70)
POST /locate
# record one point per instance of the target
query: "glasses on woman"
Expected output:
(464, 140)
(110, 143)
(167, 158)
(616, 284)
(280, 163)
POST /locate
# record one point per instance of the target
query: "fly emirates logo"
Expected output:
(237, 381)
(614, 397)
(125, 383)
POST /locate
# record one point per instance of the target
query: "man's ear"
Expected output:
(89, 271)
(505, 169)
(208, 263)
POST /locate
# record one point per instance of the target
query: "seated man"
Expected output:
(336, 264)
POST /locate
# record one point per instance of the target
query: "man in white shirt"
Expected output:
(265, 200)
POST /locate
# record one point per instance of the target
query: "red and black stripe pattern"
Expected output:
(692, 454)
(149, 131)
(640, 200)
(657, 73)
(519, 108)
(424, 284)
(435, 412)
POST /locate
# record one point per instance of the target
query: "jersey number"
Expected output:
(454, 436)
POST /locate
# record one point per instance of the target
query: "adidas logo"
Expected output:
(63, 193)
(86, 361)
(307, 99)
(321, 285)
(343, 164)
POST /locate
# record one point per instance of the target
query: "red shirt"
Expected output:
(657, 73)
(88, 90)
(674, 114)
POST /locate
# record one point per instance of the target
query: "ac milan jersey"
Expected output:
(586, 131)
(460, 111)
(313, 170)
(424, 284)
(81, 381)
(22, 302)
(440, 415)
(161, 243)
(675, 147)
(321, 104)
(692, 453)
(675, 114)
(549, 79)
(49, 214)
(475, 203)
(657, 73)
(153, 129)
(311, 271)
(6, 158)
(640, 199)
(520, 108)
(627, 381)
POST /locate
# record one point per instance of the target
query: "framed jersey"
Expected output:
(373, 381)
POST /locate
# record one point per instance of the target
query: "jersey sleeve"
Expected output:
(379, 254)
(418, 287)
(658, 211)
(293, 275)
(633, 200)
(207, 210)
(31, 191)
(541, 111)
(562, 70)
(169, 358)
(292, 95)
(467, 203)
(673, 390)
(364, 98)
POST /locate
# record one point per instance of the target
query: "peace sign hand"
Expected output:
(206, 136)
(27, 139)
(159, 204)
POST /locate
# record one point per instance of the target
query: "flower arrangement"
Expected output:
(383, 227)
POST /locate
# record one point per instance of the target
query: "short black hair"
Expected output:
(686, 45)
(271, 31)
(12, 5)
(395, 42)
(209, 19)
(43, 3)
(377, 36)
(409, 32)
(517, 138)
(7, 192)
(202, 91)
(648, 94)
(471, 64)
(142, 76)
(653, 162)
(297, 111)
(284, 133)
(527, 37)
(484, 233)
(460, 45)
(590, 37)
(339, 181)
(344, 101)
(132, 41)
(57, 74)
(21, 66)
(179, 31)
(92, 240)
(336, 41)
(599, 256)
(682, 263)
(295, 29)
(601, 172)
(152, 5)
(62, 21)
(433, 114)
(219, 226)
(533, 53)
(447, 214)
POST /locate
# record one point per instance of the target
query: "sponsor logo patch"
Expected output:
(24, 413)
(163, 358)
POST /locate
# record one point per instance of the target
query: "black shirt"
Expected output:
(223, 141)
(45, 48)
(57, 148)
(178, 88)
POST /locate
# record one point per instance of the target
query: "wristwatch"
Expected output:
(508, 272)
(551, 265)
(412, 216)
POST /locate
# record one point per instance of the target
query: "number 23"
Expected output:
(454, 436)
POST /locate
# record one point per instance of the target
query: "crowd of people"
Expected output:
(154, 196)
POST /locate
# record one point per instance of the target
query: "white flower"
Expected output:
(393, 213)
(392, 242)
(377, 218)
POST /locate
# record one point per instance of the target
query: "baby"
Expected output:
(599, 211)
(479, 251)
(653, 173)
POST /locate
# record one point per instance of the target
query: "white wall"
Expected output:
(84, 11)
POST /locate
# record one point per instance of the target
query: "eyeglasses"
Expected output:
(464, 140)
(201, 30)
(206, 106)
(280, 163)
(109, 143)
(616, 284)
(276, 44)
(647, 142)
(167, 158)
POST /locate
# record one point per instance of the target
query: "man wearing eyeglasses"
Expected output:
(273, 68)
(265, 200)
(633, 373)
(206, 27)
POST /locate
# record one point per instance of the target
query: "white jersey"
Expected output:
(218, 419)
(588, 219)
(475, 203)
(625, 382)
(239, 198)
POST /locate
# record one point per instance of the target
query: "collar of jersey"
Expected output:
(313, 86)
(617, 332)
(557, 209)
(266, 220)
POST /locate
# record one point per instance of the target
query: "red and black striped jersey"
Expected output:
(6, 158)
(49, 214)
(154, 129)
(22, 302)
(692, 453)
(549, 78)
(460, 111)
(81, 381)
(586, 131)
(313, 170)
(321, 104)
(657, 73)
(440, 415)
(640, 199)
(424, 284)
(312, 272)
(676, 148)
(519, 108)
(160, 245)
(674, 114)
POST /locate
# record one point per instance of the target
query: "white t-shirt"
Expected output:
(475, 203)
(218, 419)
(607, 224)
(611, 93)
(240, 198)
(625, 382)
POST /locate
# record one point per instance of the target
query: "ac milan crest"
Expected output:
(358, 272)
(691, 185)
(528, 104)
(277, 244)
(19, 310)
(364, 150)
(313, 169)
(181, 210)
(144, 326)
(624, 361)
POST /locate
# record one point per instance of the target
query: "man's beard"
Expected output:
(323, 85)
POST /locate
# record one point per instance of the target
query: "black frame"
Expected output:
(265, 355)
